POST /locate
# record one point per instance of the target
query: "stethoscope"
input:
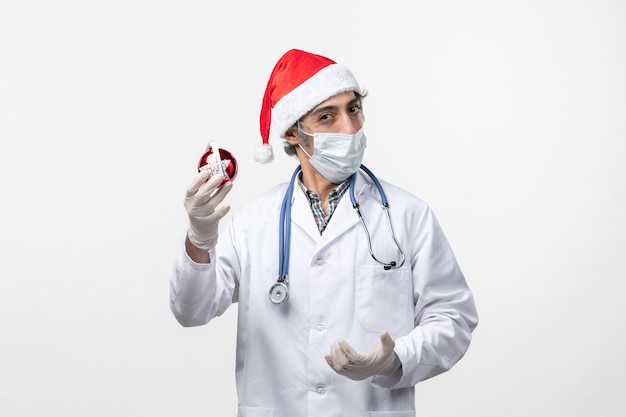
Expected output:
(280, 290)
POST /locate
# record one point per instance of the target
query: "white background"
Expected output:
(507, 117)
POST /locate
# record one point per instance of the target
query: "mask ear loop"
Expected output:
(306, 133)
(302, 131)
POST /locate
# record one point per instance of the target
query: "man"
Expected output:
(362, 310)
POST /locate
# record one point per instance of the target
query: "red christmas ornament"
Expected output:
(225, 165)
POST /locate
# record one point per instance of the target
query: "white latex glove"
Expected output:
(381, 360)
(201, 203)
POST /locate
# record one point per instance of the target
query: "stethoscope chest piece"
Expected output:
(279, 293)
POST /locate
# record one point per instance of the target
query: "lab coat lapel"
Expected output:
(343, 219)
(345, 216)
(302, 216)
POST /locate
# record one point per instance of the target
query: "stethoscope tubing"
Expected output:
(285, 229)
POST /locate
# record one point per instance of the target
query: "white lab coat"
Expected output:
(336, 290)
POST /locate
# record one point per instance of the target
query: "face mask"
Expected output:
(335, 155)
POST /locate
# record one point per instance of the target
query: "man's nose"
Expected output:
(347, 124)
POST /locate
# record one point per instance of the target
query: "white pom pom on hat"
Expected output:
(263, 153)
(299, 81)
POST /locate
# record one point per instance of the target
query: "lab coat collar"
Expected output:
(344, 217)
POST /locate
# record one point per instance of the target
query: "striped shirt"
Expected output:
(321, 217)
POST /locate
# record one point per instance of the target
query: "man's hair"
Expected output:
(291, 149)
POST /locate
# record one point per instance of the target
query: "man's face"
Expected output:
(339, 114)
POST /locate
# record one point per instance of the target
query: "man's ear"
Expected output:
(291, 136)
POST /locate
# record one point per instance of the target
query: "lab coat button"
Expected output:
(320, 389)
(320, 328)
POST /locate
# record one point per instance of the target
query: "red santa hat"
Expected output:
(299, 81)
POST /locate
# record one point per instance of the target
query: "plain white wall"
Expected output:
(508, 117)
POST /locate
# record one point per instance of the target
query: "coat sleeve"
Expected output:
(445, 313)
(201, 292)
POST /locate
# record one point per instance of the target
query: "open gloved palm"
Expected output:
(381, 360)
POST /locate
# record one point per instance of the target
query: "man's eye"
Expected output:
(355, 109)
(324, 117)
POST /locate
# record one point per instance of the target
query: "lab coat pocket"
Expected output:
(382, 298)
(255, 412)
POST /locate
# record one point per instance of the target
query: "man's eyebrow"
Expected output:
(319, 110)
